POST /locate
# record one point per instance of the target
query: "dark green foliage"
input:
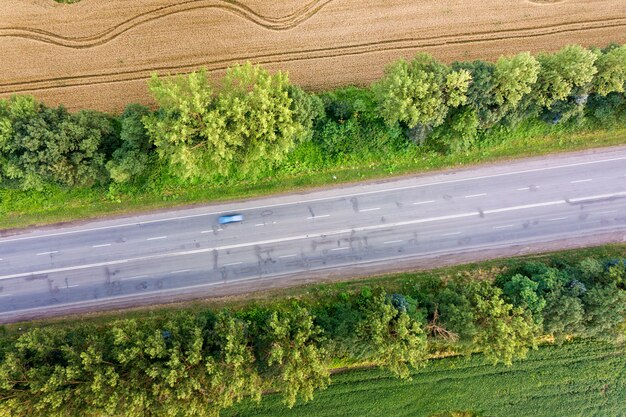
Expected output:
(582, 378)
(131, 159)
(251, 125)
(40, 145)
(198, 363)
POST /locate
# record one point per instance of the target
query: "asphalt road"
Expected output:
(182, 251)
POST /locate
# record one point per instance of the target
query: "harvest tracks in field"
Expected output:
(268, 22)
(56, 54)
(284, 57)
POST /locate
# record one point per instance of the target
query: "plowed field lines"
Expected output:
(98, 53)
(311, 54)
(267, 22)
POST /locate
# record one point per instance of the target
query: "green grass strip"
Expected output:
(583, 378)
(53, 205)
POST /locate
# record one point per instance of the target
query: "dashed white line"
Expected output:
(451, 234)
(505, 226)
(389, 242)
(557, 218)
(478, 177)
(598, 197)
(318, 217)
(180, 271)
(527, 188)
(600, 212)
(137, 277)
(233, 263)
(577, 181)
(101, 246)
(288, 256)
(157, 238)
(369, 209)
(5, 295)
(259, 224)
(47, 253)
(526, 206)
(206, 231)
(423, 202)
(308, 236)
(344, 248)
(71, 286)
(475, 195)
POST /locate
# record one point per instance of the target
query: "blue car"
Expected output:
(230, 218)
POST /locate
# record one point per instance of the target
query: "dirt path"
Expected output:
(98, 54)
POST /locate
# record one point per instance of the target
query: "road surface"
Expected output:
(137, 259)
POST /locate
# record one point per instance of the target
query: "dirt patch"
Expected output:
(98, 54)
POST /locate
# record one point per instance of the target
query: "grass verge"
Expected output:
(55, 205)
(582, 378)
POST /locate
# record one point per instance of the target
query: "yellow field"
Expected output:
(98, 53)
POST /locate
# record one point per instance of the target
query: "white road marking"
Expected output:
(206, 231)
(503, 226)
(231, 281)
(557, 218)
(137, 277)
(577, 181)
(451, 234)
(389, 242)
(233, 263)
(180, 271)
(5, 295)
(369, 209)
(480, 177)
(259, 224)
(307, 236)
(527, 188)
(423, 202)
(597, 197)
(525, 206)
(318, 217)
(101, 246)
(600, 212)
(475, 195)
(288, 256)
(157, 238)
(71, 286)
(344, 248)
(47, 253)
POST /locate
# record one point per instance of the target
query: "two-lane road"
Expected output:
(184, 251)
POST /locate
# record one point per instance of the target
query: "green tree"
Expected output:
(132, 158)
(295, 358)
(40, 145)
(504, 332)
(389, 336)
(560, 72)
(248, 124)
(605, 309)
(563, 315)
(611, 65)
(232, 372)
(522, 292)
(460, 131)
(420, 92)
(513, 79)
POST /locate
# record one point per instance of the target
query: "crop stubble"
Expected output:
(98, 54)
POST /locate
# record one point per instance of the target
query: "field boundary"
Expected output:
(29, 86)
